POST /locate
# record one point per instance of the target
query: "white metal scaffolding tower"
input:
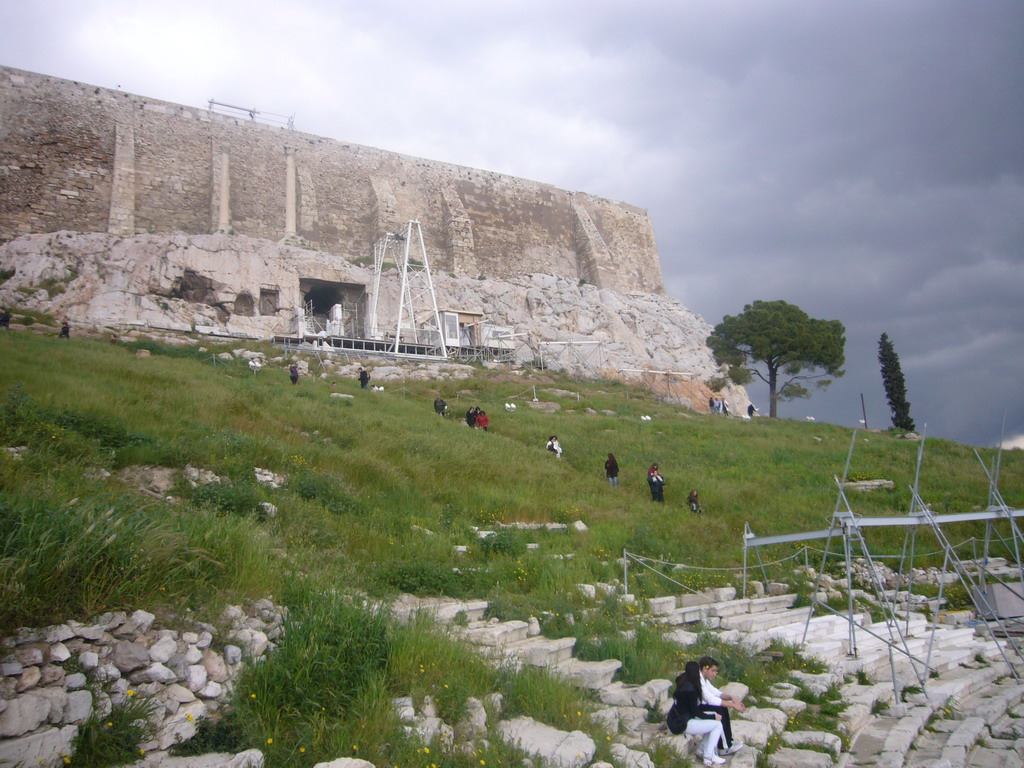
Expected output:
(418, 320)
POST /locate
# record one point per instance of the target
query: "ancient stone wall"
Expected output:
(78, 157)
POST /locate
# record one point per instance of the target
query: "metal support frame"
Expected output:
(416, 291)
(581, 355)
(669, 378)
(850, 528)
(417, 301)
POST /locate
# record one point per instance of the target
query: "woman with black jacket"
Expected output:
(611, 469)
(686, 717)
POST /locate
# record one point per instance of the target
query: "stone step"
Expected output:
(540, 651)
(927, 749)
(756, 622)
(772, 603)
(443, 609)
(728, 608)
(789, 757)
(679, 616)
(587, 674)
(886, 740)
(821, 627)
(991, 704)
(687, 609)
(495, 633)
(825, 650)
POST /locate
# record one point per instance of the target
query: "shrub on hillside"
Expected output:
(422, 578)
(113, 738)
(314, 486)
(331, 651)
(235, 498)
(508, 542)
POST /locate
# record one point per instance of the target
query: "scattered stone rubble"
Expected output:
(970, 714)
(54, 679)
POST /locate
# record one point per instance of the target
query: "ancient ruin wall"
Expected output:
(79, 157)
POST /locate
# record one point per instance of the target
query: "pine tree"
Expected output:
(895, 387)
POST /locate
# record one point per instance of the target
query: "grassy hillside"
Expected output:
(366, 476)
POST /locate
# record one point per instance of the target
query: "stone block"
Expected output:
(38, 748)
(787, 757)
(78, 707)
(23, 714)
(562, 749)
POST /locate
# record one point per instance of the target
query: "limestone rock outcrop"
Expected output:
(234, 285)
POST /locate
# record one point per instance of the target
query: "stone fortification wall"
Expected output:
(79, 157)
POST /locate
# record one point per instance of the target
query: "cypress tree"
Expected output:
(895, 387)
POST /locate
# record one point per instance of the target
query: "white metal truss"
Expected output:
(419, 321)
(390, 244)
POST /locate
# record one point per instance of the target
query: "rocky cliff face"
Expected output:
(228, 284)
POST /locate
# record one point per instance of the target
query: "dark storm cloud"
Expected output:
(862, 160)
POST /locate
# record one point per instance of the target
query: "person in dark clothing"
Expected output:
(65, 331)
(364, 378)
(685, 715)
(5, 319)
(656, 483)
(471, 416)
(440, 406)
(483, 421)
(611, 470)
(293, 373)
(694, 501)
(751, 410)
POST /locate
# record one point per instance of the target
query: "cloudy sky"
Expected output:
(863, 159)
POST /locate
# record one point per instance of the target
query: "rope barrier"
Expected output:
(972, 540)
(640, 559)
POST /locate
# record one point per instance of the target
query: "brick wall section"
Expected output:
(74, 156)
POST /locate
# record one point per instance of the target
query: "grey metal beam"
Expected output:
(993, 513)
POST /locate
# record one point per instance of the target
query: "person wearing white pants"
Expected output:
(685, 715)
(712, 730)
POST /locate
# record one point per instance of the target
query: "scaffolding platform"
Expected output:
(386, 348)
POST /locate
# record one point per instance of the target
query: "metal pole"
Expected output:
(625, 571)
(863, 410)
(849, 589)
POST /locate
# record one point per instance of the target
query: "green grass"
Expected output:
(379, 491)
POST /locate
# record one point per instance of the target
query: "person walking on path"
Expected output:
(685, 716)
(293, 373)
(364, 378)
(5, 319)
(65, 331)
(483, 421)
(714, 702)
(656, 483)
(471, 416)
(611, 470)
(440, 406)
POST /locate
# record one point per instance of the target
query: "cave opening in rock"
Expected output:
(337, 309)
